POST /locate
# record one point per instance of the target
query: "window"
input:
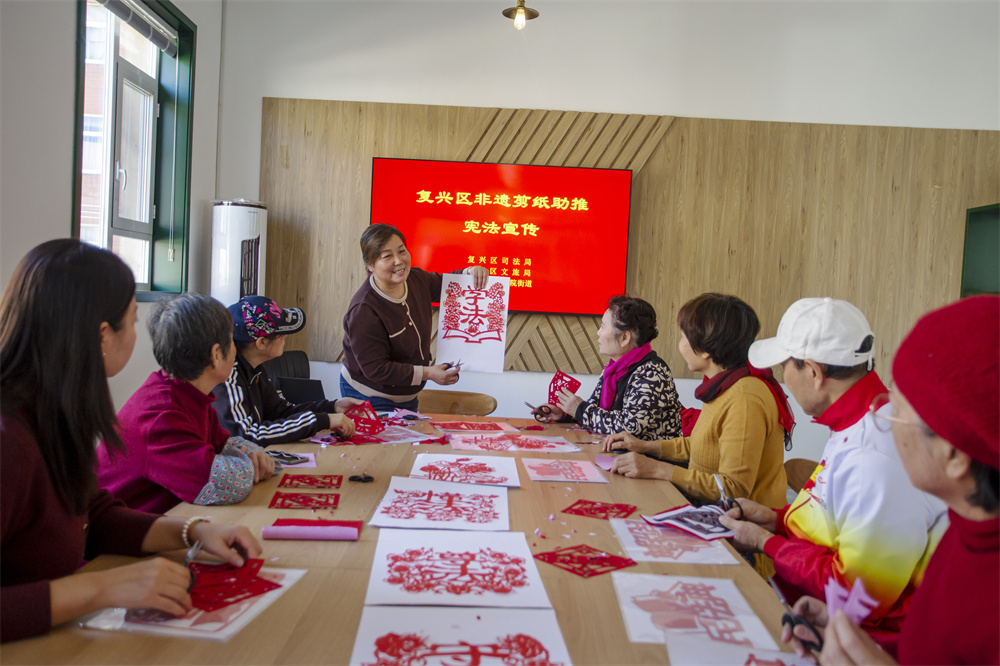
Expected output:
(136, 66)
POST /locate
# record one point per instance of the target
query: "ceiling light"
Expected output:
(520, 14)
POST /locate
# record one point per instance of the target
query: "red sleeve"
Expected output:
(805, 565)
(780, 529)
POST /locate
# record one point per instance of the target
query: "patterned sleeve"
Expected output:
(651, 409)
(231, 476)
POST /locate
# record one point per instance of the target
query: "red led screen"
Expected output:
(559, 233)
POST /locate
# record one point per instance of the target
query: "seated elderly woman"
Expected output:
(636, 393)
(743, 425)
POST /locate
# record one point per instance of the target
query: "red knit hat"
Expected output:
(948, 367)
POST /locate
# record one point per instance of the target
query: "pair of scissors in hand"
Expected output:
(544, 410)
(727, 501)
(796, 620)
(188, 558)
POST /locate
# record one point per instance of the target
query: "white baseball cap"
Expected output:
(823, 330)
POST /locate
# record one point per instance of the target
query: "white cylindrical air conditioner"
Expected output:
(239, 249)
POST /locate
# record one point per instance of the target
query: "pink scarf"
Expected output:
(615, 370)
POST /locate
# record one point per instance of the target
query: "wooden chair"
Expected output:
(798, 471)
(466, 403)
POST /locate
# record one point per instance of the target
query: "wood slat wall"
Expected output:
(769, 211)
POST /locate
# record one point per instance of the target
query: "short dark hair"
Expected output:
(184, 329)
(845, 371)
(242, 346)
(51, 364)
(635, 315)
(721, 325)
(987, 493)
(374, 238)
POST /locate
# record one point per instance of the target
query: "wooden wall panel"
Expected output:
(769, 211)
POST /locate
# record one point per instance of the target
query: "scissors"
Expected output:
(544, 410)
(727, 501)
(191, 554)
(794, 619)
(449, 365)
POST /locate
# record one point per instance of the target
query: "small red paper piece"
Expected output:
(533, 427)
(561, 381)
(584, 560)
(366, 421)
(311, 481)
(219, 585)
(304, 500)
(602, 510)
(298, 522)
(471, 426)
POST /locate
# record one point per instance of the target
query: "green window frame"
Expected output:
(169, 250)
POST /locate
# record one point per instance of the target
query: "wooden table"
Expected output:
(315, 621)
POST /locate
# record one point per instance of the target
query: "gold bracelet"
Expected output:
(188, 524)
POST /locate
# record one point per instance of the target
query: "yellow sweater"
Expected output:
(737, 436)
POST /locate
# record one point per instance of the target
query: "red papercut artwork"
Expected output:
(661, 543)
(304, 500)
(462, 470)
(602, 510)
(688, 605)
(366, 421)
(565, 469)
(424, 570)
(408, 504)
(415, 650)
(515, 442)
(311, 481)
(474, 315)
(561, 381)
(584, 560)
(217, 586)
(471, 426)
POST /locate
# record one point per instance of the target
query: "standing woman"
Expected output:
(744, 422)
(67, 323)
(387, 328)
(636, 392)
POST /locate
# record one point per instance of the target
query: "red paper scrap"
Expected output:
(219, 585)
(602, 510)
(561, 381)
(584, 560)
(366, 421)
(311, 480)
(303, 500)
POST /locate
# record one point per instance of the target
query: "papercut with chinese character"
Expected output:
(476, 426)
(578, 471)
(487, 470)
(217, 625)
(311, 481)
(646, 543)
(304, 500)
(423, 504)
(410, 636)
(472, 325)
(512, 443)
(561, 381)
(584, 560)
(713, 608)
(698, 651)
(449, 568)
(700, 521)
(602, 510)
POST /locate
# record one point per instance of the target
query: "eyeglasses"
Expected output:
(884, 421)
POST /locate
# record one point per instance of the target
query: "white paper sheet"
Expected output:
(431, 568)
(439, 636)
(533, 443)
(645, 543)
(712, 608)
(485, 470)
(576, 471)
(218, 625)
(696, 651)
(472, 324)
(423, 504)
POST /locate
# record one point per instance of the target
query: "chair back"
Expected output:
(798, 471)
(290, 364)
(465, 403)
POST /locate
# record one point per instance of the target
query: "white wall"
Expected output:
(918, 64)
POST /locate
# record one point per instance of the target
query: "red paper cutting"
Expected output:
(424, 570)
(217, 586)
(602, 510)
(437, 506)
(561, 381)
(474, 315)
(471, 426)
(311, 481)
(462, 470)
(584, 560)
(296, 522)
(366, 421)
(413, 650)
(688, 605)
(304, 500)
